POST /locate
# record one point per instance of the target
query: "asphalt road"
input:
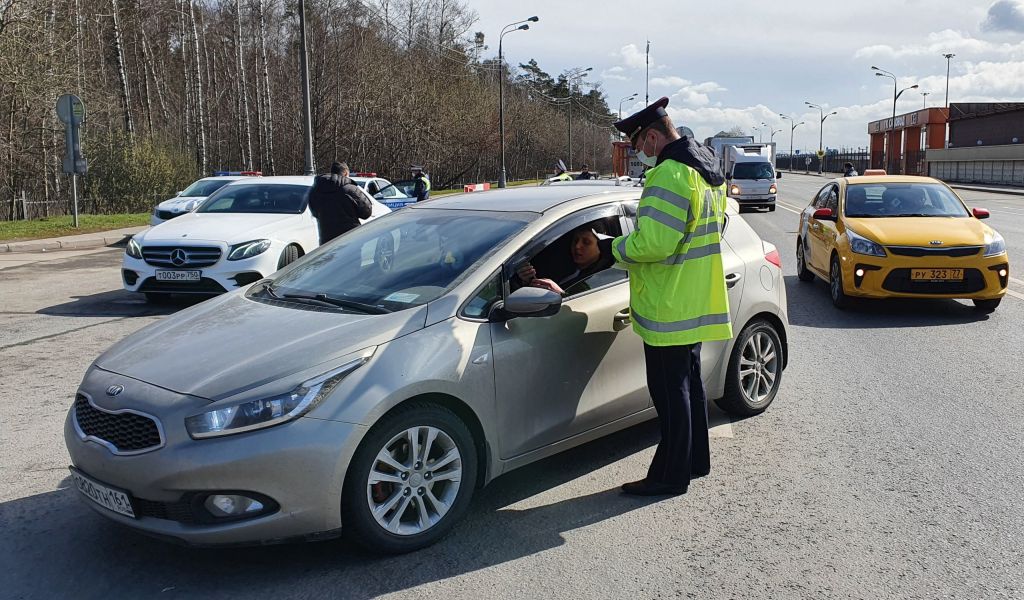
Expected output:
(890, 466)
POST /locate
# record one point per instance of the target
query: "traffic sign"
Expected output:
(70, 109)
(821, 154)
(807, 160)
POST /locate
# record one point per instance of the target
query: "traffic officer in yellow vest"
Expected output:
(421, 189)
(677, 289)
(561, 175)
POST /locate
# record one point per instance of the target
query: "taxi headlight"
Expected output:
(862, 245)
(267, 412)
(133, 249)
(248, 249)
(995, 246)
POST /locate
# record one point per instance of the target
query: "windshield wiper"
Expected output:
(914, 215)
(331, 301)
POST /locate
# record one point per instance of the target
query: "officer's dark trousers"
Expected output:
(673, 377)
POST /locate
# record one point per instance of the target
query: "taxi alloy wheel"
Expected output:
(835, 284)
(410, 480)
(802, 272)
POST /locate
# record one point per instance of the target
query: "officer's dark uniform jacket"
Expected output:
(421, 189)
(338, 204)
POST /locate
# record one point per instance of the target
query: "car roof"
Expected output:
(537, 199)
(278, 180)
(596, 183)
(888, 179)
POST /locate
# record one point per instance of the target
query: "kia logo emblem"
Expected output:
(115, 390)
(179, 257)
(935, 242)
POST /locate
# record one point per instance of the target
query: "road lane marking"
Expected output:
(1016, 295)
(788, 207)
(1017, 281)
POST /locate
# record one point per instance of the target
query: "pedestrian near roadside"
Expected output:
(849, 171)
(337, 203)
(677, 289)
(585, 174)
(421, 190)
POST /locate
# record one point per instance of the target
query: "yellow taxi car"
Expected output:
(888, 236)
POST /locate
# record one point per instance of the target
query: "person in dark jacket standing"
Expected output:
(585, 174)
(421, 190)
(337, 203)
(849, 171)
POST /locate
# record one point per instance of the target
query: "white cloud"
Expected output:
(695, 94)
(615, 74)
(1005, 15)
(632, 56)
(941, 42)
(670, 81)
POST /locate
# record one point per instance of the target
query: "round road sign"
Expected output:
(70, 109)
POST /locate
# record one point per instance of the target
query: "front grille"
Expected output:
(127, 432)
(203, 286)
(180, 511)
(899, 281)
(192, 257)
(167, 215)
(920, 251)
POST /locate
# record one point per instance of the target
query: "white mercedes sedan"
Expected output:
(243, 232)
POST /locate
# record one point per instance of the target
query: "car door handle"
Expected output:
(732, 279)
(622, 316)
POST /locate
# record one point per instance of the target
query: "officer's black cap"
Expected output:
(634, 123)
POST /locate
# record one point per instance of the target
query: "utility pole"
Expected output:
(571, 78)
(307, 117)
(924, 100)
(647, 77)
(949, 57)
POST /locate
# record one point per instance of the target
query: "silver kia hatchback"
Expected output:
(371, 386)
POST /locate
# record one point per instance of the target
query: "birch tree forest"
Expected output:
(176, 89)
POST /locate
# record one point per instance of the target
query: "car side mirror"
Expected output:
(532, 302)
(778, 174)
(980, 213)
(180, 192)
(824, 214)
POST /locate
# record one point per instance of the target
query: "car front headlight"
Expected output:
(248, 249)
(734, 190)
(995, 246)
(133, 249)
(268, 412)
(862, 245)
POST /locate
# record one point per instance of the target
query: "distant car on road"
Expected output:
(371, 392)
(241, 233)
(900, 237)
(191, 197)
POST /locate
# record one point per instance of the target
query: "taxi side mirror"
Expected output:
(980, 213)
(824, 214)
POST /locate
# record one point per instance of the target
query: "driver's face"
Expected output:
(585, 251)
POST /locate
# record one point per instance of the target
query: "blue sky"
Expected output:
(741, 62)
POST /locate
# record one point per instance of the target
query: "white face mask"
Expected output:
(644, 158)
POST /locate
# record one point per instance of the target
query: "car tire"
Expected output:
(400, 495)
(835, 284)
(755, 370)
(802, 272)
(157, 298)
(771, 208)
(986, 306)
(289, 255)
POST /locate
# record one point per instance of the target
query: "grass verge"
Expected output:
(36, 229)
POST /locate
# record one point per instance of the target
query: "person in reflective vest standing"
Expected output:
(421, 190)
(677, 287)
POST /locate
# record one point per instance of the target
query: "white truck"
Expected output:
(749, 170)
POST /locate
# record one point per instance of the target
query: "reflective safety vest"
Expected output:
(426, 182)
(561, 177)
(676, 279)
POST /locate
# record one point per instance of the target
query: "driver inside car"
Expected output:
(586, 257)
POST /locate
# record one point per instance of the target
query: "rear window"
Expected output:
(867, 200)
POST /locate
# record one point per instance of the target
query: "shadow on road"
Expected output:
(810, 305)
(64, 549)
(118, 303)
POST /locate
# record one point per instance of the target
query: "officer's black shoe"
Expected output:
(698, 475)
(652, 488)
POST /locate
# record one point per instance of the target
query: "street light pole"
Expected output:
(895, 96)
(948, 58)
(626, 99)
(571, 77)
(821, 131)
(522, 26)
(924, 101)
(307, 117)
(792, 129)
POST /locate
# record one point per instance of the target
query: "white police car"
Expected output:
(240, 234)
(191, 197)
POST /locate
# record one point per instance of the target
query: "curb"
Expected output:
(57, 245)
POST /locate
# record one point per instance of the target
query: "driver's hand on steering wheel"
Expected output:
(526, 273)
(547, 284)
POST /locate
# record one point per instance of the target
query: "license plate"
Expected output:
(107, 497)
(937, 274)
(178, 275)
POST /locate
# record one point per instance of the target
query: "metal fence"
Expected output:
(22, 206)
(993, 172)
(832, 163)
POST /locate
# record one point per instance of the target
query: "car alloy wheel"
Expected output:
(414, 480)
(835, 282)
(802, 272)
(759, 367)
(755, 370)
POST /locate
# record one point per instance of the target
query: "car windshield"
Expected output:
(867, 200)
(759, 170)
(205, 187)
(257, 198)
(405, 259)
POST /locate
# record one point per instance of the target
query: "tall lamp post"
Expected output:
(307, 117)
(571, 77)
(895, 96)
(626, 99)
(948, 58)
(517, 26)
(792, 128)
(924, 101)
(821, 130)
(758, 131)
